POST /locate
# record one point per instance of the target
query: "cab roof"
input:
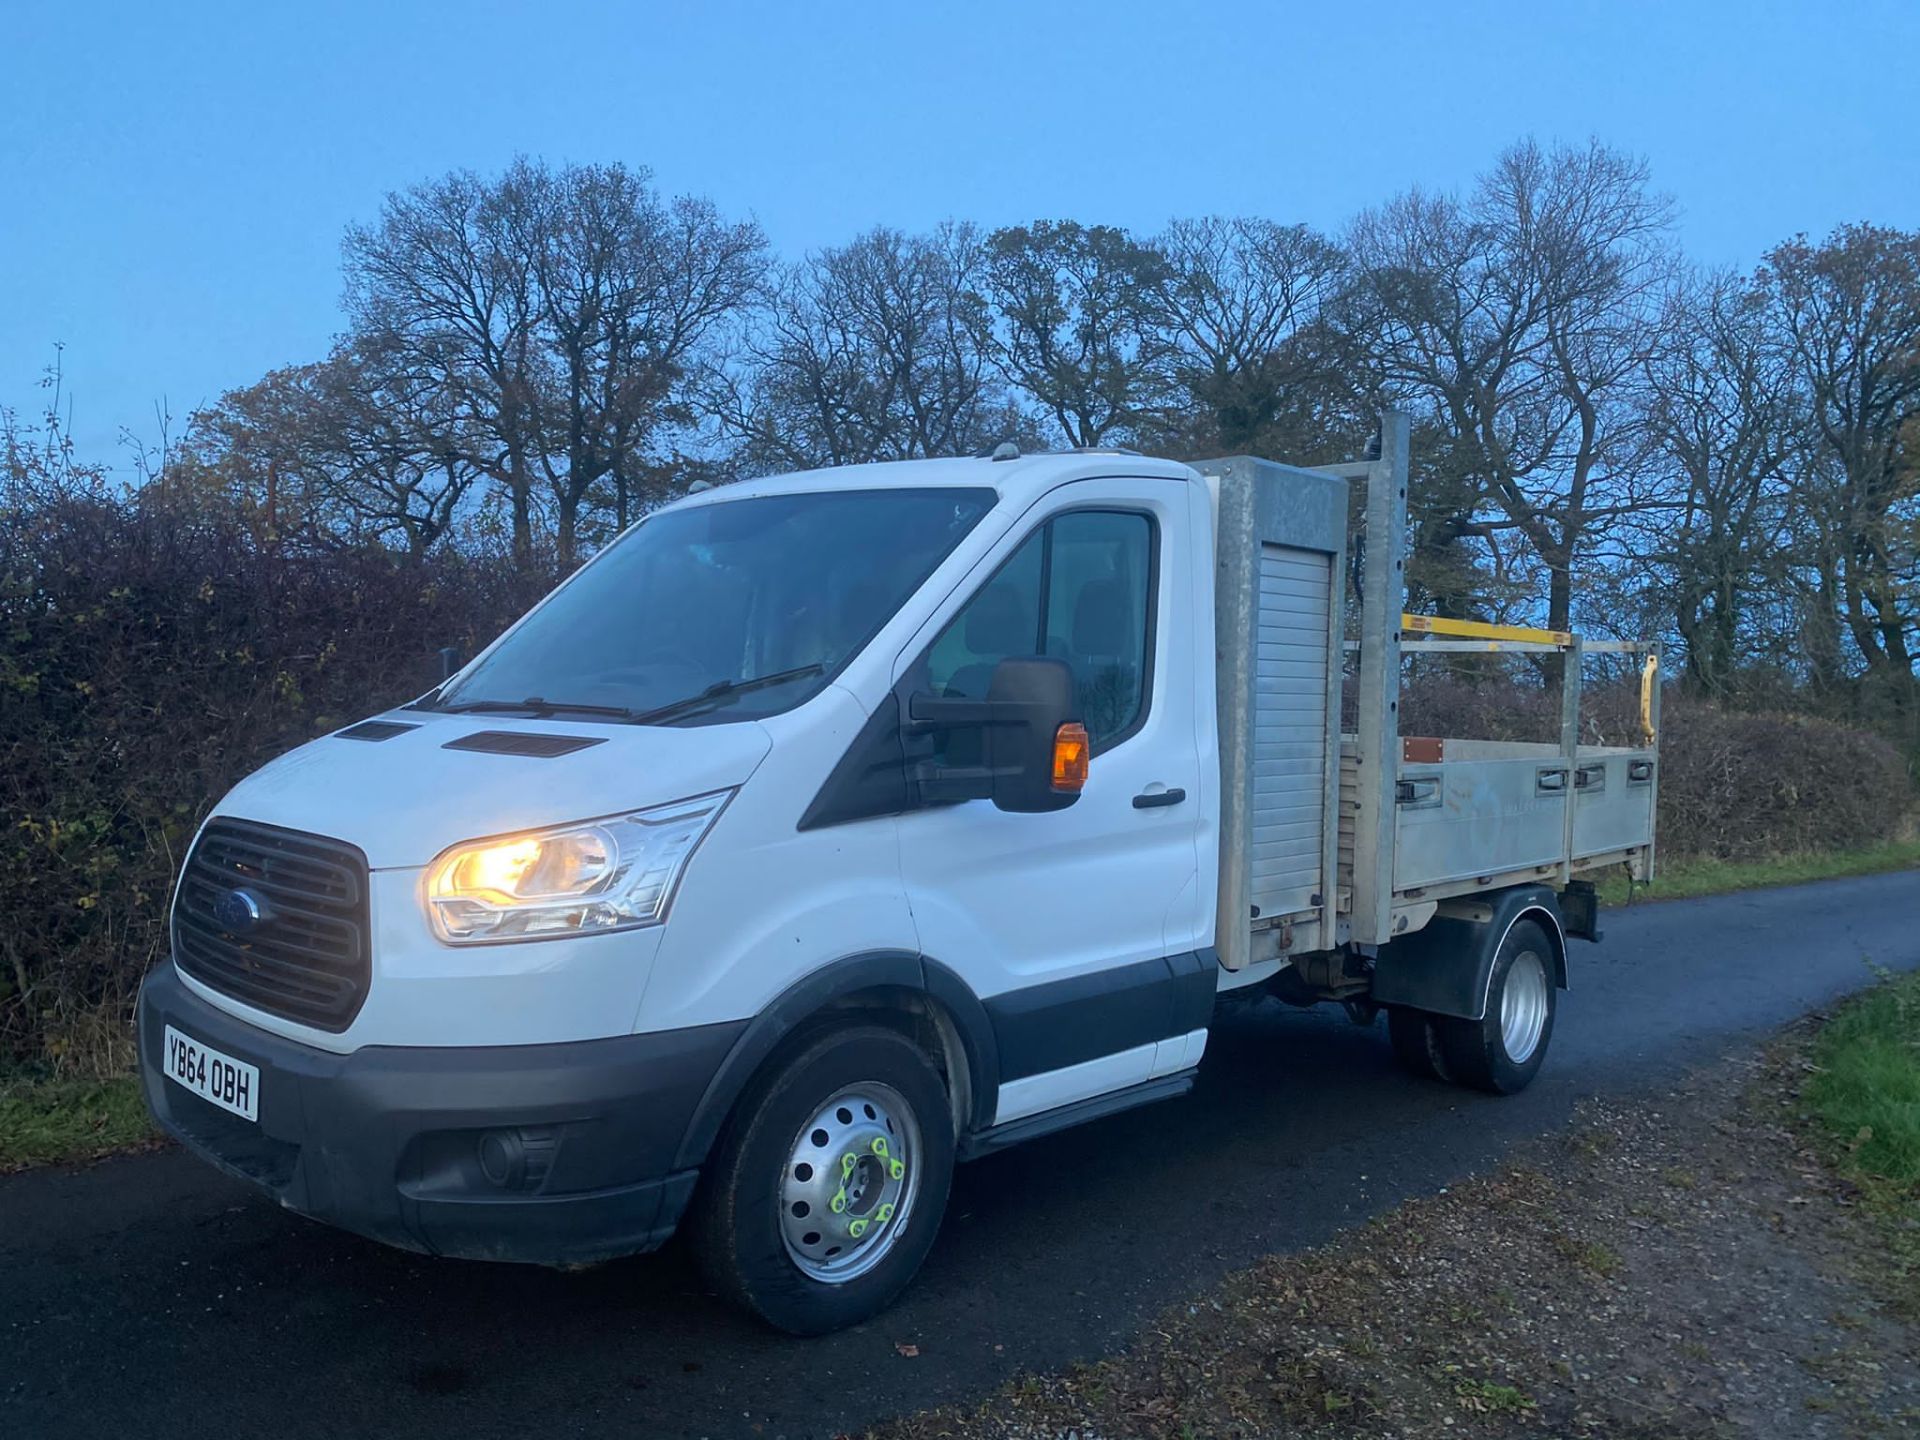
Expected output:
(1026, 477)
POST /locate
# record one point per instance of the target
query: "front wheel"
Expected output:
(1503, 1051)
(829, 1186)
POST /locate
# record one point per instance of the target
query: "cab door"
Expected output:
(1080, 928)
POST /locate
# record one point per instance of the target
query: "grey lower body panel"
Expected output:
(1068, 1022)
(1097, 1107)
(385, 1141)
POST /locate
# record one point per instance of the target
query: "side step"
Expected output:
(1032, 1127)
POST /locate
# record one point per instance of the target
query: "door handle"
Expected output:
(1420, 792)
(1154, 799)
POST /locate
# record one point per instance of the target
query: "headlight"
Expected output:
(611, 874)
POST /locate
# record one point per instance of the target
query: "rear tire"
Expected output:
(1503, 1052)
(1416, 1043)
(827, 1189)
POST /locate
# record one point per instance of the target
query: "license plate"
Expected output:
(218, 1079)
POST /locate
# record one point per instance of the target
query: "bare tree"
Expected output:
(562, 308)
(875, 350)
(1250, 365)
(1724, 415)
(631, 285)
(445, 277)
(1851, 308)
(1075, 327)
(1522, 318)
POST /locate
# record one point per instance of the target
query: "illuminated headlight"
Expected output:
(616, 873)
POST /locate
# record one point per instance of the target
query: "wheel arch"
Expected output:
(895, 984)
(1447, 967)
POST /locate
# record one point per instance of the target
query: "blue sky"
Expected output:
(174, 181)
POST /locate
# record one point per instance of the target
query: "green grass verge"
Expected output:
(1865, 1096)
(1686, 879)
(45, 1122)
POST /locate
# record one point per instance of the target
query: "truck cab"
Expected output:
(823, 831)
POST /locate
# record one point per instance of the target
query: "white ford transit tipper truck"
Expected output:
(828, 829)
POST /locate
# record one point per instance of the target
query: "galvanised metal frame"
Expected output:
(1259, 503)
(1376, 747)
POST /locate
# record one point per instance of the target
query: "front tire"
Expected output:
(1502, 1052)
(829, 1185)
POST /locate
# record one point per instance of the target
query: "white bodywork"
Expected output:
(1004, 900)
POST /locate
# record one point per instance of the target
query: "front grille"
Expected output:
(305, 957)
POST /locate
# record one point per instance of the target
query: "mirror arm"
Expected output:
(943, 783)
(938, 712)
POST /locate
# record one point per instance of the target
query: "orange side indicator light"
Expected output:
(1071, 753)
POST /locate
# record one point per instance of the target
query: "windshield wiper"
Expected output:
(537, 705)
(720, 693)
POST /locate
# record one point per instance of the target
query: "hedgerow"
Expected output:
(154, 652)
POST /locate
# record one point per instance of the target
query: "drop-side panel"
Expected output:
(1290, 729)
(1479, 817)
(1613, 801)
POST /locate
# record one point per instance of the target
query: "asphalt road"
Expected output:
(149, 1295)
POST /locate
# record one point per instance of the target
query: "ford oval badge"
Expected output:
(238, 911)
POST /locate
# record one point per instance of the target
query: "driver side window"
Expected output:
(1001, 620)
(1077, 590)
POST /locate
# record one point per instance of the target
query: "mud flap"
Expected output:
(1445, 968)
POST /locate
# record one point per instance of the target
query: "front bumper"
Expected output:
(386, 1141)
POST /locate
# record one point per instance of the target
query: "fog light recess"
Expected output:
(516, 1159)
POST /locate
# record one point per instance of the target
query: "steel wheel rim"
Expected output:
(851, 1179)
(1523, 1007)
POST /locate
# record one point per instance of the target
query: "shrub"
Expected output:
(1739, 786)
(150, 656)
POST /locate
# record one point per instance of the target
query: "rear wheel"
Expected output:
(1503, 1051)
(828, 1188)
(1416, 1042)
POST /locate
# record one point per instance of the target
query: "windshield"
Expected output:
(724, 611)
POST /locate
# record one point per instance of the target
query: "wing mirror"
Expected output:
(1023, 747)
